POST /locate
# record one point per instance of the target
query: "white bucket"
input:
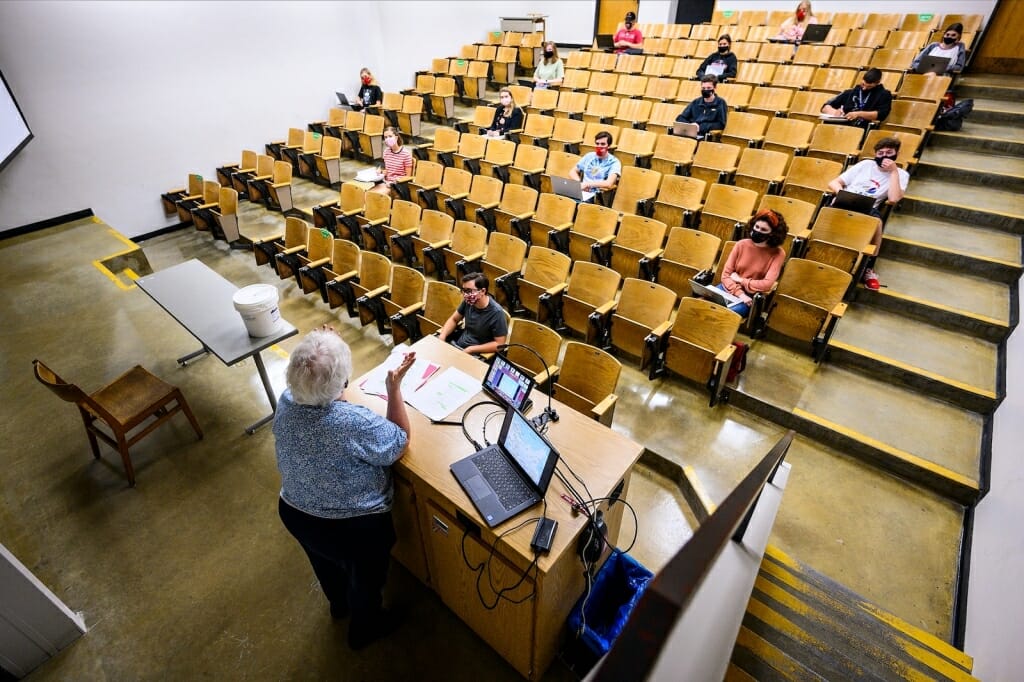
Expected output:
(257, 304)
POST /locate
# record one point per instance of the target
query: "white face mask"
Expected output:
(391, 141)
(505, 101)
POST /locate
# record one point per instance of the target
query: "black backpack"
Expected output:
(953, 118)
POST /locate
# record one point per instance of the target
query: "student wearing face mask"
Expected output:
(709, 111)
(793, 28)
(598, 170)
(397, 161)
(721, 64)
(629, 39)
(754, 263)
(507, 116)
(485, 325)
(865, 104)
(369, 94)
(951, 47)
(551, 71)
(880, 178)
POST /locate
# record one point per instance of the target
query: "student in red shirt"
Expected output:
(629, 40)
(397, 161)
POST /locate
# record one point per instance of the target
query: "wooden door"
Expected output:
(611, 12)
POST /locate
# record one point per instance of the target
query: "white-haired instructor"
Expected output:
(335, 461)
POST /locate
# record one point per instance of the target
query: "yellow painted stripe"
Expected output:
(919, 462)
(131, 274)
(790, 576)
(779, 661)
(281, 352)
(940, 306)
(132, 246)
(113, 277)
(698, 489)
(885, 359)
(954, 204)
(925, 637)
(926, 657)
(935, 247)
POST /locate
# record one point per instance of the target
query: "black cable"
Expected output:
(465, 414)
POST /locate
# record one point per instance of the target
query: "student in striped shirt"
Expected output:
(397, 161)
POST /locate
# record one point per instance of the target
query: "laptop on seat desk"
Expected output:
(930, 64)
(509, 477)
(851, 201)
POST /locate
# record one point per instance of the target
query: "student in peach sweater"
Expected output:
(755, 262)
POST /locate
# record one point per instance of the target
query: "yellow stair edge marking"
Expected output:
(942, 306)
(799, 585)
(131, 274)
(281, 352)
(958, 205)
(899, 364)
(936, 247)
(924, 656)
(888, 449)
(698, 489)
(948, 650)
(132, 246)
(112, 276)
(779, 660)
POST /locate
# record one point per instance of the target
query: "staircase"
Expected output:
(801, 625)
(888, 394)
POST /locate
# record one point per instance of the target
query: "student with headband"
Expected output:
(755, 262)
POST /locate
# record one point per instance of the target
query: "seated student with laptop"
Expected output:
(754, 264)
(708, 112)
(485, 325)
(951, 48)
(883, 180)
(598, 170)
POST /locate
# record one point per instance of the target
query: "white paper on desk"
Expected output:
(417, 375)
(444, 393)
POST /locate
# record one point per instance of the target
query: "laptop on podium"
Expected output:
(510, 476)
(508, 384)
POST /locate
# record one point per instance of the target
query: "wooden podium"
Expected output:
(441, 535)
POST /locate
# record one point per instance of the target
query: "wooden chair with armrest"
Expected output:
(808, 303)
(587, 381)
(439, 301)
(586, 302)
(644, 309)
(544, 340)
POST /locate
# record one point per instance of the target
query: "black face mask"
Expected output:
(548, 54)
(707, 93)
(759, 237)
(947, 40)
(724, 49)
(880, 159)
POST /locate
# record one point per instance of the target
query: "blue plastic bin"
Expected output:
(616, 590)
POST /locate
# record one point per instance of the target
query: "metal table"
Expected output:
(201, 302)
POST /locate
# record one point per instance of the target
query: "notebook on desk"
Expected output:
(508, 384)
(510, 476)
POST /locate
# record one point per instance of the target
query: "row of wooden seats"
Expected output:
(739, 23)
(207, 205)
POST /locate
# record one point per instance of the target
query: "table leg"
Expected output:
(251, 429)
(184, 359)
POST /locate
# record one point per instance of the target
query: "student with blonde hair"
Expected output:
(369, 94)
(793, 28)
(507, 116)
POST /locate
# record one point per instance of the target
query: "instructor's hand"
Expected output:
(394, 381)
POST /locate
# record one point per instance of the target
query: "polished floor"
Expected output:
(191, 574)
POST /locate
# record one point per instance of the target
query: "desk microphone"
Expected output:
(549, 414)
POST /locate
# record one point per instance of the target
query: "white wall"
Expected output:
(940, 7)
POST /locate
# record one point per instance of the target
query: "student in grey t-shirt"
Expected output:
(485, 325)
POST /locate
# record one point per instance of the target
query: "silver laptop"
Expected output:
(723, 298)
(851, 201)
(816, 33)
(686, 129)
(930, 64)
(567, 187)
(510, 476)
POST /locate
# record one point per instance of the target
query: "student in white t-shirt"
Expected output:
(881, 179)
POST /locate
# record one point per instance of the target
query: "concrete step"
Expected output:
(997, 111)
(991, 86)
(792, 597)
(948, 299)
(966, 203)
(925, 440)
(915, 354)
(1005, 171)
(956, 246)
(984, 137)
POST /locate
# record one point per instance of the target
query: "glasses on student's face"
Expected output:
(469, 293)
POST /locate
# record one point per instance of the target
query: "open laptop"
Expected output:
(930, 64)
(686, 129)
(605, 41)
(567, 187)
(510, 476)
(816, 33)
(851, 201)
(723, 298)
(343, 100)
(508, 384)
